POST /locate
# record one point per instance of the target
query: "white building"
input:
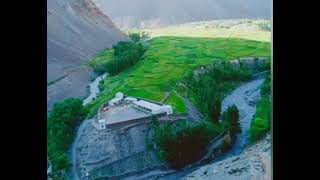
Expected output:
(117, 100)
(130, 100)
(152, 107)
(102, 123)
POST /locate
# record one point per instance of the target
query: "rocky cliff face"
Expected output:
(76, 31)
(113, 152)
(253, 163)
(155, 13)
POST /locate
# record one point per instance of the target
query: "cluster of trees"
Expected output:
(126, 54)
(185, 144)
(137, 36)
(208, 89)
(62, 121)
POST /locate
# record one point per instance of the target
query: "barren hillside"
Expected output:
(76, 31)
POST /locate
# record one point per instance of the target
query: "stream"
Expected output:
(94, 89)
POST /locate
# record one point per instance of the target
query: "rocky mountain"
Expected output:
(253, 163)
(156, 13)
(76, 31)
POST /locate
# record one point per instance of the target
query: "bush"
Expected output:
(259, 128)
(262, 121)
(62, 121)
(187, 144)
(101, 85)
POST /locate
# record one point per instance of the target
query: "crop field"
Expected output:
(169, 59)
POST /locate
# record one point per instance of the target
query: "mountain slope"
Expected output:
(76, 31)
(156, 13)
(253, 163)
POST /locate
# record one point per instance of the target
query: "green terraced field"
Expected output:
(168, 60)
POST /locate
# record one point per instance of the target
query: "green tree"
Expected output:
(62, 121)
(231, 120)
(135, 37)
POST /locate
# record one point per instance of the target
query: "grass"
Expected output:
(169, 59)
(102, 58)
(100, 61)
(261, 123)
(177, 103)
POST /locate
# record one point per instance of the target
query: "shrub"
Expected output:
(259, 129)
(101, 85)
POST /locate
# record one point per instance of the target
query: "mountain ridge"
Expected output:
(158, 13)
(76, 31)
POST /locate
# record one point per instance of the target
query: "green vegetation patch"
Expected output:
(261, 123)
(169, 59)
(62, 121)
(99, 63)
(177, 103)
(207, 90)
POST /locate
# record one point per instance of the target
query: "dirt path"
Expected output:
(193, 112)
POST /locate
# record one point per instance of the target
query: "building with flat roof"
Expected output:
(152, 107)
(124, 109)
(130, 99)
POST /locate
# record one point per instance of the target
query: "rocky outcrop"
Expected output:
(253, 163)
(157, 13)
(113, 152)
(76, 31)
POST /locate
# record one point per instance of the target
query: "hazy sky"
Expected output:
(178, 11)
